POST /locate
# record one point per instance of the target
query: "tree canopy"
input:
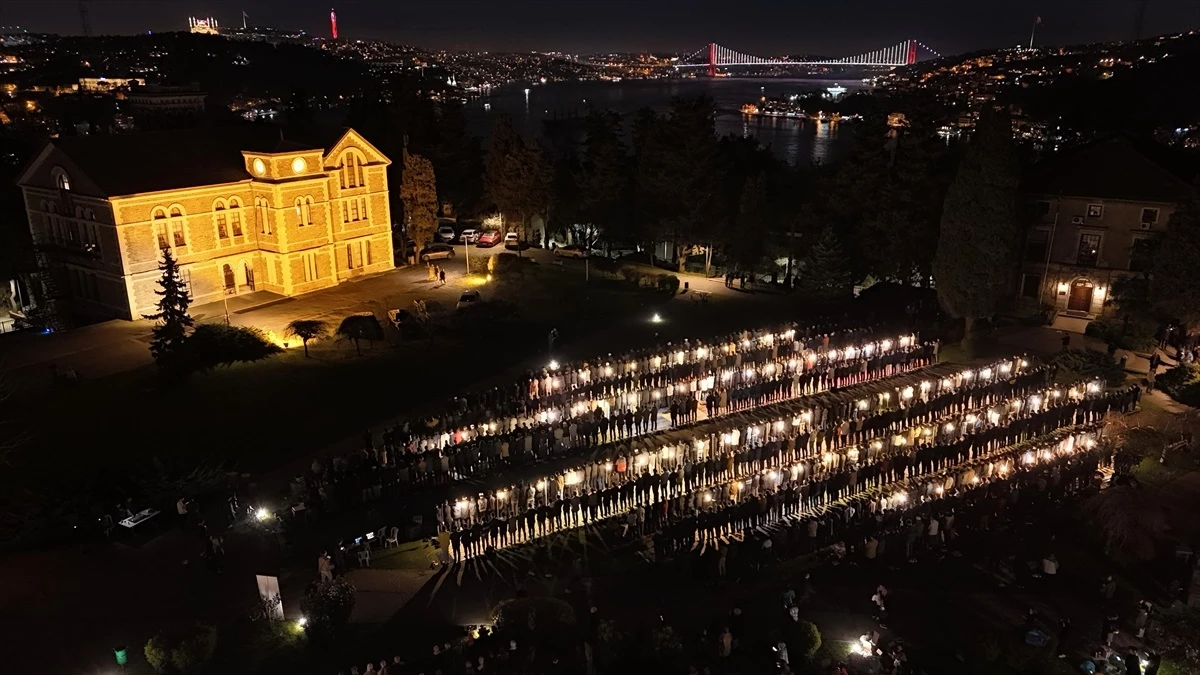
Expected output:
(418, 194)
(975, 251)
(174, 322)
(1174, 286)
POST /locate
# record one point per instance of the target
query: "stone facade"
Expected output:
(1090, 207)
(1080, 245)
(301, 219)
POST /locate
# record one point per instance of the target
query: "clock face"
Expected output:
(299, 165)
(260, 167)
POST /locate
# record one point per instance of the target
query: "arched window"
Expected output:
(61, 180)
(235, 216)
(219, 219)
(352, 170)
(263, 213)
(304, 211)
(169, 230)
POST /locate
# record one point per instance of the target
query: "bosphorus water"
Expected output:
(796, 141)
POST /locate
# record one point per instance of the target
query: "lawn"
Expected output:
(131, 435)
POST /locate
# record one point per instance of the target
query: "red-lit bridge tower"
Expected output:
(912, 52)
(712, 59)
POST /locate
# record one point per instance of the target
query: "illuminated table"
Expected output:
(139, 518)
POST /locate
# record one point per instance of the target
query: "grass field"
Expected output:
(129, 434)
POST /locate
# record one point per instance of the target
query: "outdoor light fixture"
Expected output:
(553, 364)
(302, 621)
(261, 514)
(656, 318)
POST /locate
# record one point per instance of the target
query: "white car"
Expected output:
(512, 242)
(468, 299)
(445, 233)
(469, 236)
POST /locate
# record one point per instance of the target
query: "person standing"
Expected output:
(1064, 636)
(325, 566)
(1143, 618)
(1108, 588)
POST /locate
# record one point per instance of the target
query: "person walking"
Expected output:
(442, 276)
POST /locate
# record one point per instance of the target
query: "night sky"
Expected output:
(830, 27)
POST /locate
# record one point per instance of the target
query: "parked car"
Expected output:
(445, 233)
(467, 299)
(513, 242)
(469, 236)
(571, 251)
(436, 252)
(488, 239)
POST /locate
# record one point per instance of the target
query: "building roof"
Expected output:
(126, 164)
(1117, 167)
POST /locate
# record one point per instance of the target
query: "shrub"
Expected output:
(1088, 364)
(1181, 383)
(509, 263)
(668, 283)
(1136, 336)
(216, 344)
(359, 327)
(186, 651)
(328, 606)
(803, 639)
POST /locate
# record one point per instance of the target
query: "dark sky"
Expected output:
(830, 27)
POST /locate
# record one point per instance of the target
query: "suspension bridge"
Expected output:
(713, 56)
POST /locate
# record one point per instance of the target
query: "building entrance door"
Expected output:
(249, 276)
(230, 282)
(1081, 296)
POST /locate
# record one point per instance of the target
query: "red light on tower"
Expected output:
(333, 23)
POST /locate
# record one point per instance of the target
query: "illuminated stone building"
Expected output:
(242, 209)
(1091, 206)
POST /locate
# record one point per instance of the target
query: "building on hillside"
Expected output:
(1091, 206)
(109, 85)
(242, 209)
(159, 106)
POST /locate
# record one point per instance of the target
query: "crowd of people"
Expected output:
(762, 368)
(701, 490)
(933, 517)
(783, 441)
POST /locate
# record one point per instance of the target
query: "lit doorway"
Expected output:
(1081, 296)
